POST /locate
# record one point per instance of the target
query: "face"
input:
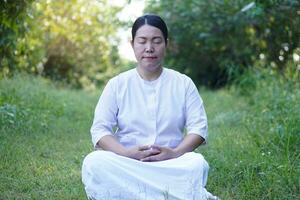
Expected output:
(149, 48)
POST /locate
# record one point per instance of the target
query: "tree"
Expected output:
(74, 41)
(13, 16)
(212, 41)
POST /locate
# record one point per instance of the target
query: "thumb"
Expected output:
(156, 147)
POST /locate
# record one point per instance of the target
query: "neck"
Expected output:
(149, 75)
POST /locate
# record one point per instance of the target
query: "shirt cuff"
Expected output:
(200, 132)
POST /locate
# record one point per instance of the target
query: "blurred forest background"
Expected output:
(214, 42)
(70, 41)
(243, 54)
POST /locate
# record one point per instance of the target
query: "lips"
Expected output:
(149, 57)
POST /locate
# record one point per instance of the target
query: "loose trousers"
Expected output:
(108, 176)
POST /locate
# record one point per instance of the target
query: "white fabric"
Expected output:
(146, 112)
(109, 176)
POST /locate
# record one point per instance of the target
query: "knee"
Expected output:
(91, 157)
(95, 160)
(204, 163)
(201, 168)
(94, 165)
(200, 162)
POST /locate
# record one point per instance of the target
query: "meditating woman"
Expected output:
(138, 128)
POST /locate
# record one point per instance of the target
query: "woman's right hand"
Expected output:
(141, 152)
(110, 143)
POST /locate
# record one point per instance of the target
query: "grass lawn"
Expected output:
(44, 136)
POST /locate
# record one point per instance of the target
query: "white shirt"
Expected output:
(149, 112)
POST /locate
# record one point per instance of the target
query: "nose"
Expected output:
(149, 48)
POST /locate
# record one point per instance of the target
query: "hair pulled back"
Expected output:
(152, 20)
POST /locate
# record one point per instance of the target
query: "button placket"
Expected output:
(151, 105)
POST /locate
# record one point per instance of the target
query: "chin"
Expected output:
(152, 68)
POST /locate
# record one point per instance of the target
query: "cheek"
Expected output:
(161, 52)
(138, 50)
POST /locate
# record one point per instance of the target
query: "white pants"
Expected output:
(107, 175)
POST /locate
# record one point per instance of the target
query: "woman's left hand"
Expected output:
(165, 154)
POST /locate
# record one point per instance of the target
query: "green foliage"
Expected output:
(254, 139)
(72, 41)
(13, 17)
(216, 41)
(275, 100)
(44, 136)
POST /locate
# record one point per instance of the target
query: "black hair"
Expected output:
(152, 20)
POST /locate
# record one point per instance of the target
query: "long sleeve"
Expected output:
(196, 120)
(105, 117)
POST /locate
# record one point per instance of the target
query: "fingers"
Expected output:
(151, 158)
(145, 151)
(144, 148)
(147, 147)
(150, 152)
(156, 147)
(165, 153)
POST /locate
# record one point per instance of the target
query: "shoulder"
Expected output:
(122, 78)
(122, 81)
(180, 81)
(180, 78)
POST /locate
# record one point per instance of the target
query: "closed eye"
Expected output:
(141, 40)
(157, 40)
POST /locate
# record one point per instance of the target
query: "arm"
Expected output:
(188, 144)
(110, 143)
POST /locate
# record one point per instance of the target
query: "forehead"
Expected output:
(148, 31)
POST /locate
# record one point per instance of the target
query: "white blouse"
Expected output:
(149, 112)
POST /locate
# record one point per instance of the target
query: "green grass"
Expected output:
(253, 147)
(254, 140)
(44, 136)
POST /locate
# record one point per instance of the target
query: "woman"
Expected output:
(147, 156)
